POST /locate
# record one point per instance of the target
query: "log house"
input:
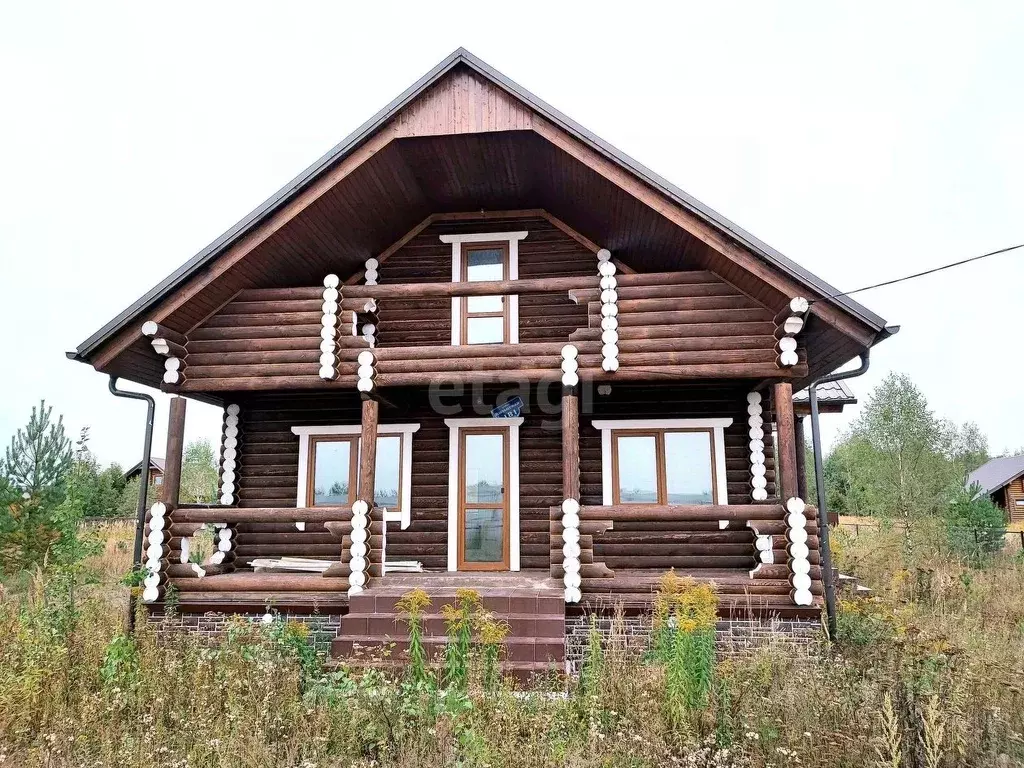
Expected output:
(475, 339)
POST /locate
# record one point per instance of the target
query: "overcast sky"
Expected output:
(865, 141)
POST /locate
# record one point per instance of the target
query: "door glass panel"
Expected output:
(388, 470)
(485, 264)
(485, 330)
(484, 468)
(485, 535)
(484, 303)
(638, 469)
(688, 473)
(330, 472)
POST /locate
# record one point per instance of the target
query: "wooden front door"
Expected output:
(483, 530)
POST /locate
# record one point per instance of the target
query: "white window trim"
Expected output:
(402, 515)
(454, 425)
(718, 432)
(512, 238)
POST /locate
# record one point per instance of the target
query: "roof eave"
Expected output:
(361, 134)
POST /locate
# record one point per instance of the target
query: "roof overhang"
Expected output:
(676, 229)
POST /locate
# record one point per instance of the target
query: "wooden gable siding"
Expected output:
(464, 102)
(269, 459)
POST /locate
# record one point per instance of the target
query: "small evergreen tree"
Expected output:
(39, 456)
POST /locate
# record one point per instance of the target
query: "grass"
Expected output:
(929, 671)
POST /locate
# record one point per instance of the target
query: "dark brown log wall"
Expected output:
(269, 461)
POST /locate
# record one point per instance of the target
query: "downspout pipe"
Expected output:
(140, 522)
(824, 546)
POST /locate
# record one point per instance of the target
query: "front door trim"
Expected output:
(454, 444)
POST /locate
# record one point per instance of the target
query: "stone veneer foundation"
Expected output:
(732, 636)
(323, 628)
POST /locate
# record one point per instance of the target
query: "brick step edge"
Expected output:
(434, 625)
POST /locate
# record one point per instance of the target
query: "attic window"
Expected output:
(478, 257)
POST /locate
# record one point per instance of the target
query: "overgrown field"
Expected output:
(927, 672)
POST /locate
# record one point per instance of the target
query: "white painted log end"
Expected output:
(332, 281)
(604, 255)
(723, 524)
(300, 525)
(795, 505)
(753, 398)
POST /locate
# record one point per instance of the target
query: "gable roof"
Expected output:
(155, 462)
(357, 138)
(835, 392)
(997, 473)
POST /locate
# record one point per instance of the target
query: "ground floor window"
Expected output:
(329, 468)
(663, 461)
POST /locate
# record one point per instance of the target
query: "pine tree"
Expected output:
(39, 456)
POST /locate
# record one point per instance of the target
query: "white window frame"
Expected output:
(401, 515)
(456, 241)
(454, 425)
(717, 426)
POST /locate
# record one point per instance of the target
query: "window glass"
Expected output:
(485, 535)
(332, 463)
(637, 469)
(484, 468)
(485, 264)
(484, 304)
(387, 478)
(485, 330)
(688, 474)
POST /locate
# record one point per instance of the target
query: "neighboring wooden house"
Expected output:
(1002, 480)
(156, 471)
(476, 338)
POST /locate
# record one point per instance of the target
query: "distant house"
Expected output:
(1002, 480)
(156, 471)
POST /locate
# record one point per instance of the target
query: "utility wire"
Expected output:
(927, 271)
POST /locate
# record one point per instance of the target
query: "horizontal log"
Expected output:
(683, 512)
(681, 290)
(265, 319)
(666, 561)
(587, 527)
(684, 317)
(587, 570)
(503, 287)
(266, 370)
(258, 514)
(690, 330)
(255, 358)
(272, 344)
(308, 332)
(154, 330)
(308, 293)
(167, 348)
(258, 582)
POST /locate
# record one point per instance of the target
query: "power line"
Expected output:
(927, 271)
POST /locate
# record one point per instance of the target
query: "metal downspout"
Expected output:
(140, 522)
(824, 546)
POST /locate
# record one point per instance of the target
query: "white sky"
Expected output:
(865, 141)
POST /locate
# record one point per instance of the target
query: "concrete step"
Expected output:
(381, 600)
(514, 649)
(524, 672)
(433, 624)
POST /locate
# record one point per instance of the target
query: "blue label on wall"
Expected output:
(509, 409)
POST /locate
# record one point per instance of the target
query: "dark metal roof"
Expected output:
(995, 474)
(154, 463)
(361, 134)
(834, 392)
